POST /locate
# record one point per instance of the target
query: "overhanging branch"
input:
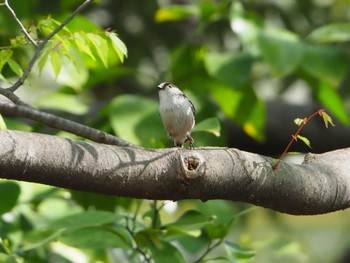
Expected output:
(320, 185)
(63, 124)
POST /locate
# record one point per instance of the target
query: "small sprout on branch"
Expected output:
(301, 123)
(326, 118)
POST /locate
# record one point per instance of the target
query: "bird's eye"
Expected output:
(165, 85)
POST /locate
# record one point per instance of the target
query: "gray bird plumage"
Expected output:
(177, 113)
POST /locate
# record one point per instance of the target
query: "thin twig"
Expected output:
(295, 137)
(138, 206)
(23, 109)
(40, 47)
(210, 247)
(146, 257)
(24, 31)
(62, 124)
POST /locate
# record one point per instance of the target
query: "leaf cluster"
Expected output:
(132, 229)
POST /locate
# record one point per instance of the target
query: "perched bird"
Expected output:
(177, 113)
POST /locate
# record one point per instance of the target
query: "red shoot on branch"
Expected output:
(301, 123)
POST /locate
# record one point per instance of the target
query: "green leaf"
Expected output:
(5, 55)
(81, 41)
(174, 233)
(46, 26)
(64, 102)
(237, 252)
(211, 125)
(282, 51)
(136, 119)
(191, 219)
(209, 11)
(176, 13)
(14, 124)
(299, 121)
(243, 107)
(163, 251)
(68, 63)
(217, 260)
(2, 123)
(15, 67)
(83, 219)
(118, 46)
(245, 27)
(73, 73)
(330, 98)
(95, 201)
(4, 258)
(56, 63)
(42, 60)
(143, 237)
(187, 62)
(100, 46)
(42, 242)
(97, 238)
(80, 23)
(188, 224)
(231, 68)
(216, 231)
(335, 32)
(327, 119)
(305, 140)
(9, 193)
(325, 63)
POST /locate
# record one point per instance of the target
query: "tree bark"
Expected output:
(320, 185)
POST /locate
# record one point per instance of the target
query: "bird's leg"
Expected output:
(191, 141)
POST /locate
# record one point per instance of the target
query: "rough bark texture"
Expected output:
(320, 185)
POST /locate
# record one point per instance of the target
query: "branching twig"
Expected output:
(210, 247)
(295, 137)
(62, 124)
(24, 31)
(40, 47)
(23, 109)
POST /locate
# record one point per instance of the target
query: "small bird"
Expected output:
(177, 113)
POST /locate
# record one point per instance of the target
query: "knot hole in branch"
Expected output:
(193, 164)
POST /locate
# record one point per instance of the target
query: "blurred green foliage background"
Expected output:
(246, 65)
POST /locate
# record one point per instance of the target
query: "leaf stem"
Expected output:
(210, 247)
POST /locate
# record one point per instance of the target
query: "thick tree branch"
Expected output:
(320, 185)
